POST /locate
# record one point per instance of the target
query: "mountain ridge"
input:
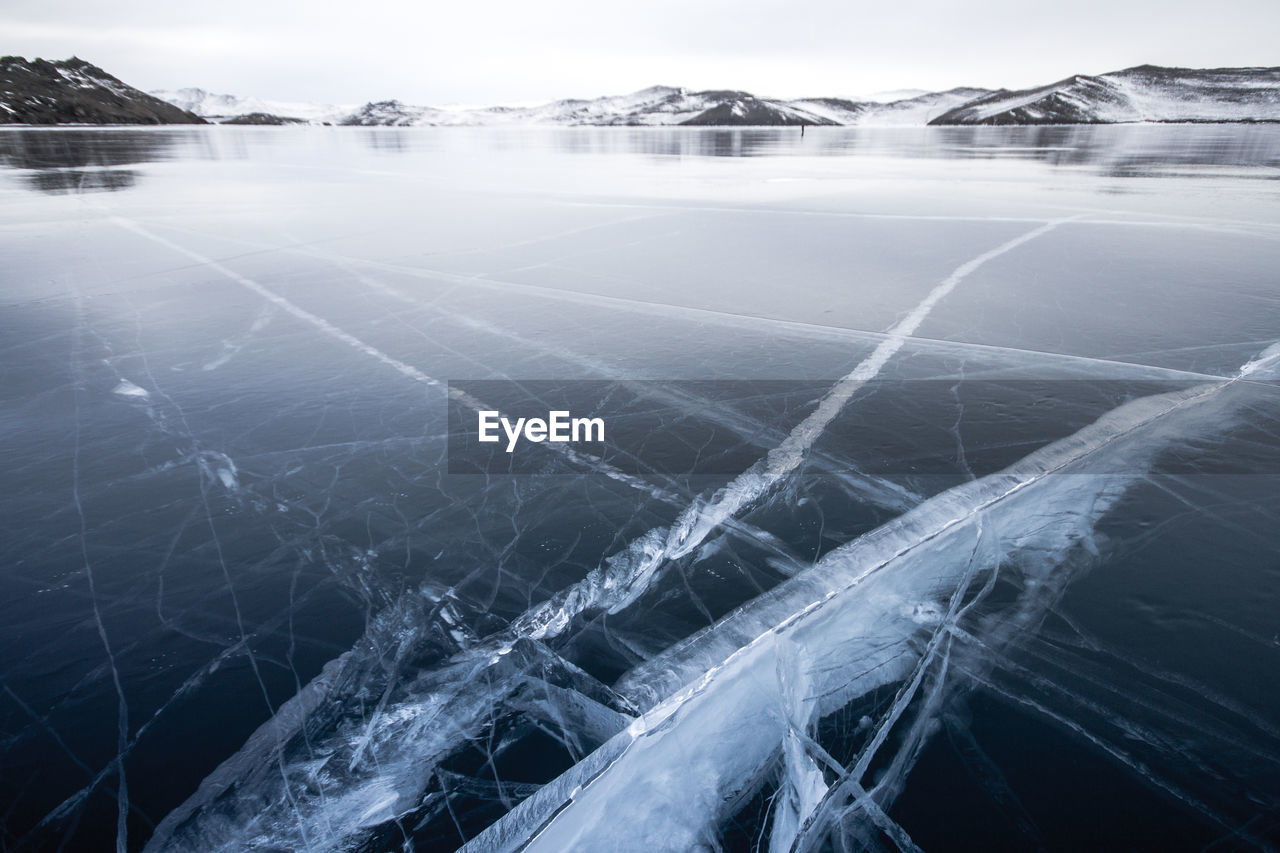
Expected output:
(74, 91)
(652, 106)
(1143, 93)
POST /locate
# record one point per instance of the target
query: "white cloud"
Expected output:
(503, 51)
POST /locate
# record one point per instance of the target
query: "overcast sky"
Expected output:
(521, 51)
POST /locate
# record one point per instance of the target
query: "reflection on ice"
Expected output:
(84, 160)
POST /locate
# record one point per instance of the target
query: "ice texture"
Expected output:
(838, 631)
(1005, 528)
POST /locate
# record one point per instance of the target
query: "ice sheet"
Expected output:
(230, 534)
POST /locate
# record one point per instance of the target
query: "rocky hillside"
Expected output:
(72, 91)
(1144, 93)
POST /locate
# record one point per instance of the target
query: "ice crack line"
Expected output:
(877, 489)
(746, 647)
(278, 300)
(698, 522)
(122, 706)
(404, 369)
(624, 578)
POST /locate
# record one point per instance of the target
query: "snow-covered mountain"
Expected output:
(657, 105)
(906, 112)
(1144, 93)
(665, 105)
(214, 106)
(72, 91)
(743, 108)
(398, 114)
(919, 110)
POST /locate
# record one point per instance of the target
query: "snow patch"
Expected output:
(125, 388)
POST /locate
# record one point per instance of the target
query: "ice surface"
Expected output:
(1009, 530)
(838, 631)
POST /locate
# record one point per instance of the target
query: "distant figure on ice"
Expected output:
(802, 129)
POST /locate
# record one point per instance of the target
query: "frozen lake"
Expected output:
(939, 508)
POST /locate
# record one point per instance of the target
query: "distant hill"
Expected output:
(238, 110)
(72, 91)
(743, 108)
(657, 105)
(1144, 93)
(666, 105)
